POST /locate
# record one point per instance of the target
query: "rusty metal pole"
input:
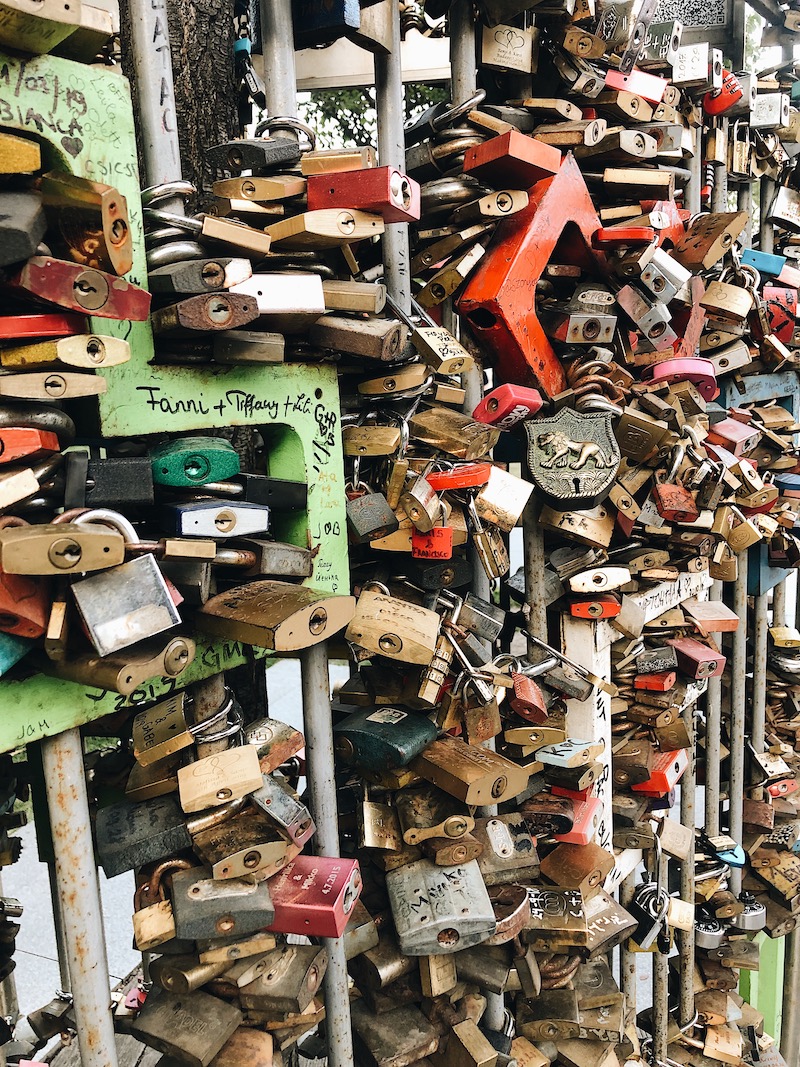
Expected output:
(660, 989)
(759, 696)
(627, 959)
(686, 937)
(389, 97)
(79, 895)
(208, 696)
(324, 807)
(713, 741)
(738, 714)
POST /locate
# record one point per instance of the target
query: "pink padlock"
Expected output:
(700, 372)
(587, 818)
(507, 405)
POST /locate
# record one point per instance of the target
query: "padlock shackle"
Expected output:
(40, 417)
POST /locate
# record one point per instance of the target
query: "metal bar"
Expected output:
(766, 231)
(533, 559)
(713, 741)
(9, 1003)
(58, 924)
(744, 202)
(686, 937)
(693, 186)
(391, 150)
(155, 95)
(463, 63)
(719, 194)
(760, 631)
(280, 75)
(322, 789)
(627, 959)
(790, 1023)
(79, 894)
(780, 604)
(660, 993)
(738, 713)
(207, 697)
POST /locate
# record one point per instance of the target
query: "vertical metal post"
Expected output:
(790, 1023)
(695, 182)
(322, 788)
(61, 942)
(759, 698)
(533, 561)
(207, 697)
(280, 76)
(744, 202)
(779, 604)
(766, 233)
(79, 894)
(9, 1004)
(738, 713)
(686, 937)
(713, 741)
(627, 959)
(660, 993)
(391, 150)
(463, 64)
(719, 194)
(155, 94)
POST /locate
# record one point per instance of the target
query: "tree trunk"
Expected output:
(201, 36)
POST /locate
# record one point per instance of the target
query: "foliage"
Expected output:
(347, 117)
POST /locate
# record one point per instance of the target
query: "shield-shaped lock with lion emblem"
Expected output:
(573, 457)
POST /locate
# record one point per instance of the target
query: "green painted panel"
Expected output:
(83, 119)
(764, 988)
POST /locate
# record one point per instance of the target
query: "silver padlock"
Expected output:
(124, 604)
(439, 909)
(708, 931)
(752, 917)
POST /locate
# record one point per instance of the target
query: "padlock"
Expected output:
(508, 405)
(193, 1026)
(99, 597)
(244, 844)
(379, 737)
(696, 659)
(383, 190)
(188, 461)
(394, 628)
(314, 896)
(279, 803)
(439, 909)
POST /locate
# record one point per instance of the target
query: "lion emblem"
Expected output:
(561, 449)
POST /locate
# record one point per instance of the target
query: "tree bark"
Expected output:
(201, 37)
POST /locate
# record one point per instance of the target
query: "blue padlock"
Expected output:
(764, 262)
(12, 650)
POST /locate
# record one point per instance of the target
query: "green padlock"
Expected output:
(190, 461)
(377, 738)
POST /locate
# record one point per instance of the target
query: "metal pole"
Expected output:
(713, 741)
(660, 993)
(738, 714)
(695, 182)
(155, 95)
(766, 232)
(207, 697)
(627, 959)
(280, 76)
(9, 1004)
(744, 202)
(533, 562)
(463, 64)
(391, 150)
(686, 937)
(779, 604)
(322, 788)
(719, 194)
(761, 628)
(790, 1022)
(79, 894)
(61, 943)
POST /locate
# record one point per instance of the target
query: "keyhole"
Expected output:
(220, 312)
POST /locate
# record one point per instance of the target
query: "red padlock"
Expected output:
(384, 190)
(784, 788)
(718, 101)
(435, 544)
(603, 606)
(25, 442)
(674, 502)
(588, 813)
(668, 769)
(512, 160)
(50, 324)
(460, 476)
(527, 700)
(24, 600)
(781, 306)
(314, 895)
(696, 659)
(508, 405)
(660, 682)
(622, 236)
(80, 289)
